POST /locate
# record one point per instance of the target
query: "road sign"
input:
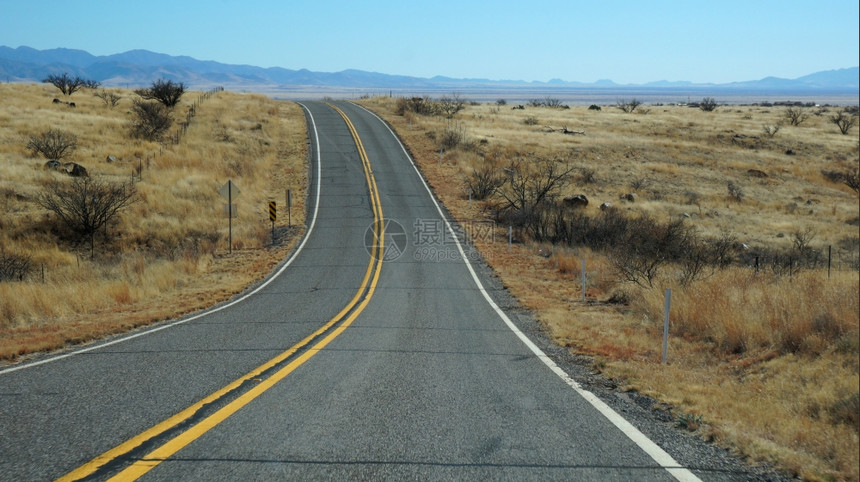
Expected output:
(229, 191)
(273, 211)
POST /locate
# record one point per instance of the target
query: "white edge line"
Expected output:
(213, 310)
(652, 449)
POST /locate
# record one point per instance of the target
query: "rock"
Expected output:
(53, 165)
(110, 159)
(757, 173)
(578, 201)
(76, 170)
(631, 196)
(605, 206)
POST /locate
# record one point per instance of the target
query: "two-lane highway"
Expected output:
(367, 357)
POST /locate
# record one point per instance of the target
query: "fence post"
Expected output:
(583, 279)
(668, 305)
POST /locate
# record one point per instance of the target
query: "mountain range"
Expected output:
(140, 67)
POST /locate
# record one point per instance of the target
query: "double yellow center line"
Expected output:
(328, 332)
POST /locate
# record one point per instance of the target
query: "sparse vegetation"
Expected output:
(763, 343)
(163, 255)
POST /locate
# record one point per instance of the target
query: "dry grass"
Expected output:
(769, 362)
(164, 256)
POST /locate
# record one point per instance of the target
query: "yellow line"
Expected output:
(157, 456)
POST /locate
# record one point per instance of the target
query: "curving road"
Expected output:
(376, 352)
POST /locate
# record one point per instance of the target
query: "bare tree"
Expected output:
(450, 105)
(852, 179)
(628, 106)
(151, 120)
(165, 91)
(69, 85)
(796, 115)
(86, 204)
(708, 104)
(53, 144)
(109, 98)
(770, 130)
(844, 121)
(533, 182)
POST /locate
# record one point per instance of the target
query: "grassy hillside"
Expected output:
(166, 253)
(762, 361)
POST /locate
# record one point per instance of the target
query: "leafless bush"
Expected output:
(417, 105)
(531, 121)
(450, 105)
(796, 115)
(109, 98)
(14, 266)
(708, 104)
(86, 204)
(151, 120)
(844, 121)
(770, 130)
(165, 92)
(628, 106)
(735, 191)
(454, 136)
(53, 144)
(485, 180)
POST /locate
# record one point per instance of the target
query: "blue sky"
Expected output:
(625, 41)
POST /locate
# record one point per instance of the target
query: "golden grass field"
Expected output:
(167, 253)
(765, 364)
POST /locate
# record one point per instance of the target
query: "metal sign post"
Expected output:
(229, 190)
(289, 207)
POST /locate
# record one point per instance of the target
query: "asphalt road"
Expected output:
(357, 361)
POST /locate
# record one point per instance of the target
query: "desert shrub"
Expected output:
(151, 120)
(844, 121)
(708, 104)
(628, 106)
(451, 104)
(735, 191)
(14, 266)
(485, 179)
(594, 107)
(795, 115)
(417, 105)
(86, 204)
(531, 121)
(53, 144)
(454, 136)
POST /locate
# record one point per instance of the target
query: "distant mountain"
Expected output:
(140, 67)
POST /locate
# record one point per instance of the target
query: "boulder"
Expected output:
(578, 201)
(75, 170)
